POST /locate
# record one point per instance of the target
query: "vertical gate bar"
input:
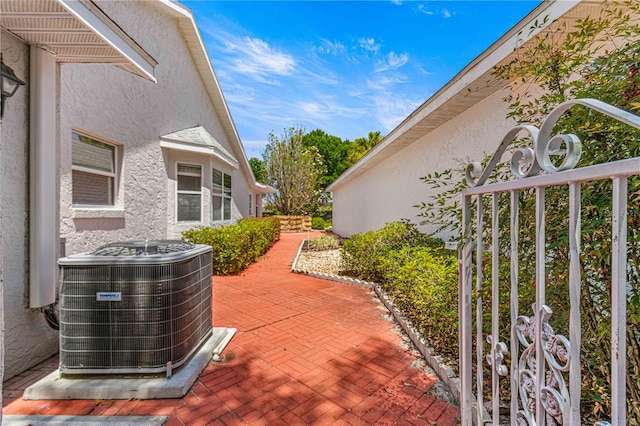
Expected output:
(540, 297)
(575, 281)
(479, 339)
(514, 347)
(619, 302)
(465, 327)
(495, 307)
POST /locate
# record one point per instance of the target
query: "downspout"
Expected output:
(43, 179)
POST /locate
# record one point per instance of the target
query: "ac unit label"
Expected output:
(104, 296)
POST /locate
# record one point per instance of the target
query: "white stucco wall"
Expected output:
(111, 105)
(172, 158)
(27, 338)
(389, 191)
(121, 108)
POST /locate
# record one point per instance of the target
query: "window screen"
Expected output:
(220, 196)
(93, 171)
(189, 193)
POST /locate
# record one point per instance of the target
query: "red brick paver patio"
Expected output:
(307, 351)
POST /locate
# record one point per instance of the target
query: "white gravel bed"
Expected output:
(322, 261)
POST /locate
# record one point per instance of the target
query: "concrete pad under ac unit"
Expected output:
(144, 387)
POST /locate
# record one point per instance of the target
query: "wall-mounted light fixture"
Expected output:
(9, 83)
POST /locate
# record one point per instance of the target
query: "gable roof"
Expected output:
(197, 139)
(191, 34)
(78, 31)
(471, 85)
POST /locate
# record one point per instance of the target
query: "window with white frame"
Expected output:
(220, 196)
(258, 202)
(189, 193)
(251, 204)
(93, 171)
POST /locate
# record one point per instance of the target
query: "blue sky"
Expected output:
(346, 67)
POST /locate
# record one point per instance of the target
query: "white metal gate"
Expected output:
(544, 376)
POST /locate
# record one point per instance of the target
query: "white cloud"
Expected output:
(395, 61)
(391, 109)
(331, 48)
(384, 81)
(323, 77)
(422, 8)
(311, 108)
(443, 13)
(392, 61)
(325, 109)
(256, 57)
(369, 44)
(250, 56)
(238, 93)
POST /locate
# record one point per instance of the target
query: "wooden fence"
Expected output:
(294, 223)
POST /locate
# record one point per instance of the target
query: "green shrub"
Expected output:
(366, 256)
(358, 255)
(416, 272)
(317, 223)
(235, 247)
(423, 283)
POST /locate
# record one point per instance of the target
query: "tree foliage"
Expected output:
(259, 169)
(334, 153)
(361, 146)
(294, 171)
(598, 58)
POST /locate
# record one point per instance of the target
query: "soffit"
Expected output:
(75, 32)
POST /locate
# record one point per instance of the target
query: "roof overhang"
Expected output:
(263, 189)
(75, 31)
(197, 140)
(197, 149)
(470, 86)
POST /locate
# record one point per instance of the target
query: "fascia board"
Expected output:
(93, 18)
(210, 80)
(197, 149)
(265, 189)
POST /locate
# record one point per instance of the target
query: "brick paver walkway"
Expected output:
(307, 351)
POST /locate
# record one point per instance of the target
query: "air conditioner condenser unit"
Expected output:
(134, 307)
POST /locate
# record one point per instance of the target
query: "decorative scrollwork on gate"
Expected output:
(554, 395)
(500, 350)
(526, 162)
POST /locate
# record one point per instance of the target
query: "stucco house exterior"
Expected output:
(463, 121)
(121, 132)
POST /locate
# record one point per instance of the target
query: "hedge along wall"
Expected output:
(294, 223)
(235, 247)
